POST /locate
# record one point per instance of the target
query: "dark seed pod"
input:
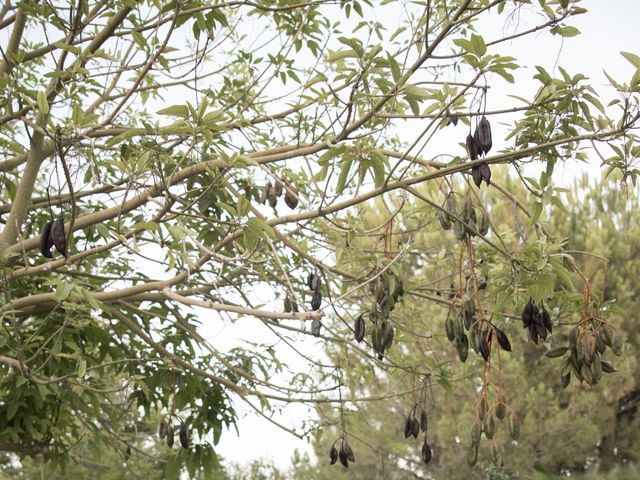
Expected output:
(489, 427)
(315, 327)
(415, 427)
(183, 435)
(459, 230)
(398, 291)
(483, 133)
(472, 456)
(485, 344)
(408, 427)
(556, 352)
(273, 198)
(426, 452)
(387, 335)
(310, 280)
(545, 319)
(503, 340)
(58, 236)
(46, 241)
(477, 175)
(483, 224)
(476, 139)
(316, 300)
(287, 304)
(170, 433)
(514, 426)
(348, 452)
(607, 367)
(565, 380)
(359, 328)
(343, 458)
(448, 327)
(424, 421)
(529, 313)
(278, 187)
(476, 432)
(501, 410)
(462, 347)
(452, 120)
(291, 197)
(333, 455)
(444, 219)
(485, 173)
(472, 147)
(265, 193)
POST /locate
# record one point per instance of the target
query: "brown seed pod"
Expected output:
(291, 197)
(162, 429)
(477, 175)
(415, 427)
(448, 327)
(476, 432)
(183, 435)
(472, 455)
(514, 426)
(503, 340)
(462, 347)
(58, 236)
(348, 451)
(342, 455)
(483, 133)
(170, 433)
(529, 313)
(501, 410)
(565, 380)
(333, 455)
(426, 452)
(387, 335)
(265, 193)
(424, 421)
(485, 173)
(485, 344)
(484, 223)
(408, 427)
(359, 328)
(278, 187)
(607, 367)
(556, 352)
(472, 147)
(444, 219)
(489, 426)
(46, 241)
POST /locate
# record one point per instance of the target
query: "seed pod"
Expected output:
(472, 147)
(348, 452)
(291, 197)
(376, 339)
(359, 328)
(469, 306)
(514, 426)
(265, 193)
(424, 421)
(415, 427)
(489, 426)
(484, 141)
(503, 340)
(333, 455)
(398, 291)
(586, 374)
(287, 304)
(600, 345)
(343, 458)
(545, 319)
(459, 230)
(385, 306)
(483, 408)
(426, 452)
(589, 348)
(58, 236)
(607, 367)
(476, 139)
(273, 198)
(387, 335)
(170, 433)
(556, 352)
(565, 380)
(472, 455)
(408, 427)
(162, 429)
(316, 300)
(616, 345)
(183, 435)
(444, 219)
(605, 333)
(529, 313)
(462, 347)
(451, 204)
(453, 119)
(596, 368)
(458, 326)
(485, 344)
(477, 176)
(501, 410)
(46, 241)
(449, 328)
(485, 173)
(278, 187)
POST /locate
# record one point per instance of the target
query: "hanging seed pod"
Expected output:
(503, 340)
(333, 455)
(459, 230)
(291, 197)
(343, 458)
(348, 452)
(426, 452)
(387, 335)
(278, 187)
(162, 429)
(170, 433)
(545, 319)
(477, 175)
(476, 139)
(316, 300)
(58, 236)
(385, 306)
(398, 291)
(359, 328)
(444, 219)
(265, 193)
(484, 136)
(451, 204)
(589, 348)
(616, 345)
(376, 339)
(183, 435)
(565, 380)
(485, 344)
(472, 147)
(483, 408)
(462, 347)
(485, 173)
(315, 327)
(607, 367)
(273, 198)
(600, 345)
(556, 352)
(408, 427)
(596, 368)
(472, 456)
(448, 327)
(529, 313)
(489, 427)
(415, 427)
(605, 334)
(424, 421)
(501, 410)
(453, 120)
(573, 336)
(469, 306)
(458, 326)
(514, 426)
(46, 241)
(287, 304)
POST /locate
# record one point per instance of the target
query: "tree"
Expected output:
(181, 165)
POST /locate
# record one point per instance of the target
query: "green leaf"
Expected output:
(417, 92)
(176, 110)
(82, 368)
(536, 210)
(632, 58)
(344, 173)
(43, 104)
(63, 290)
(478, 46)
(568, 31)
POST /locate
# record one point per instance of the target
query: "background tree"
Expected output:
(182, 165)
